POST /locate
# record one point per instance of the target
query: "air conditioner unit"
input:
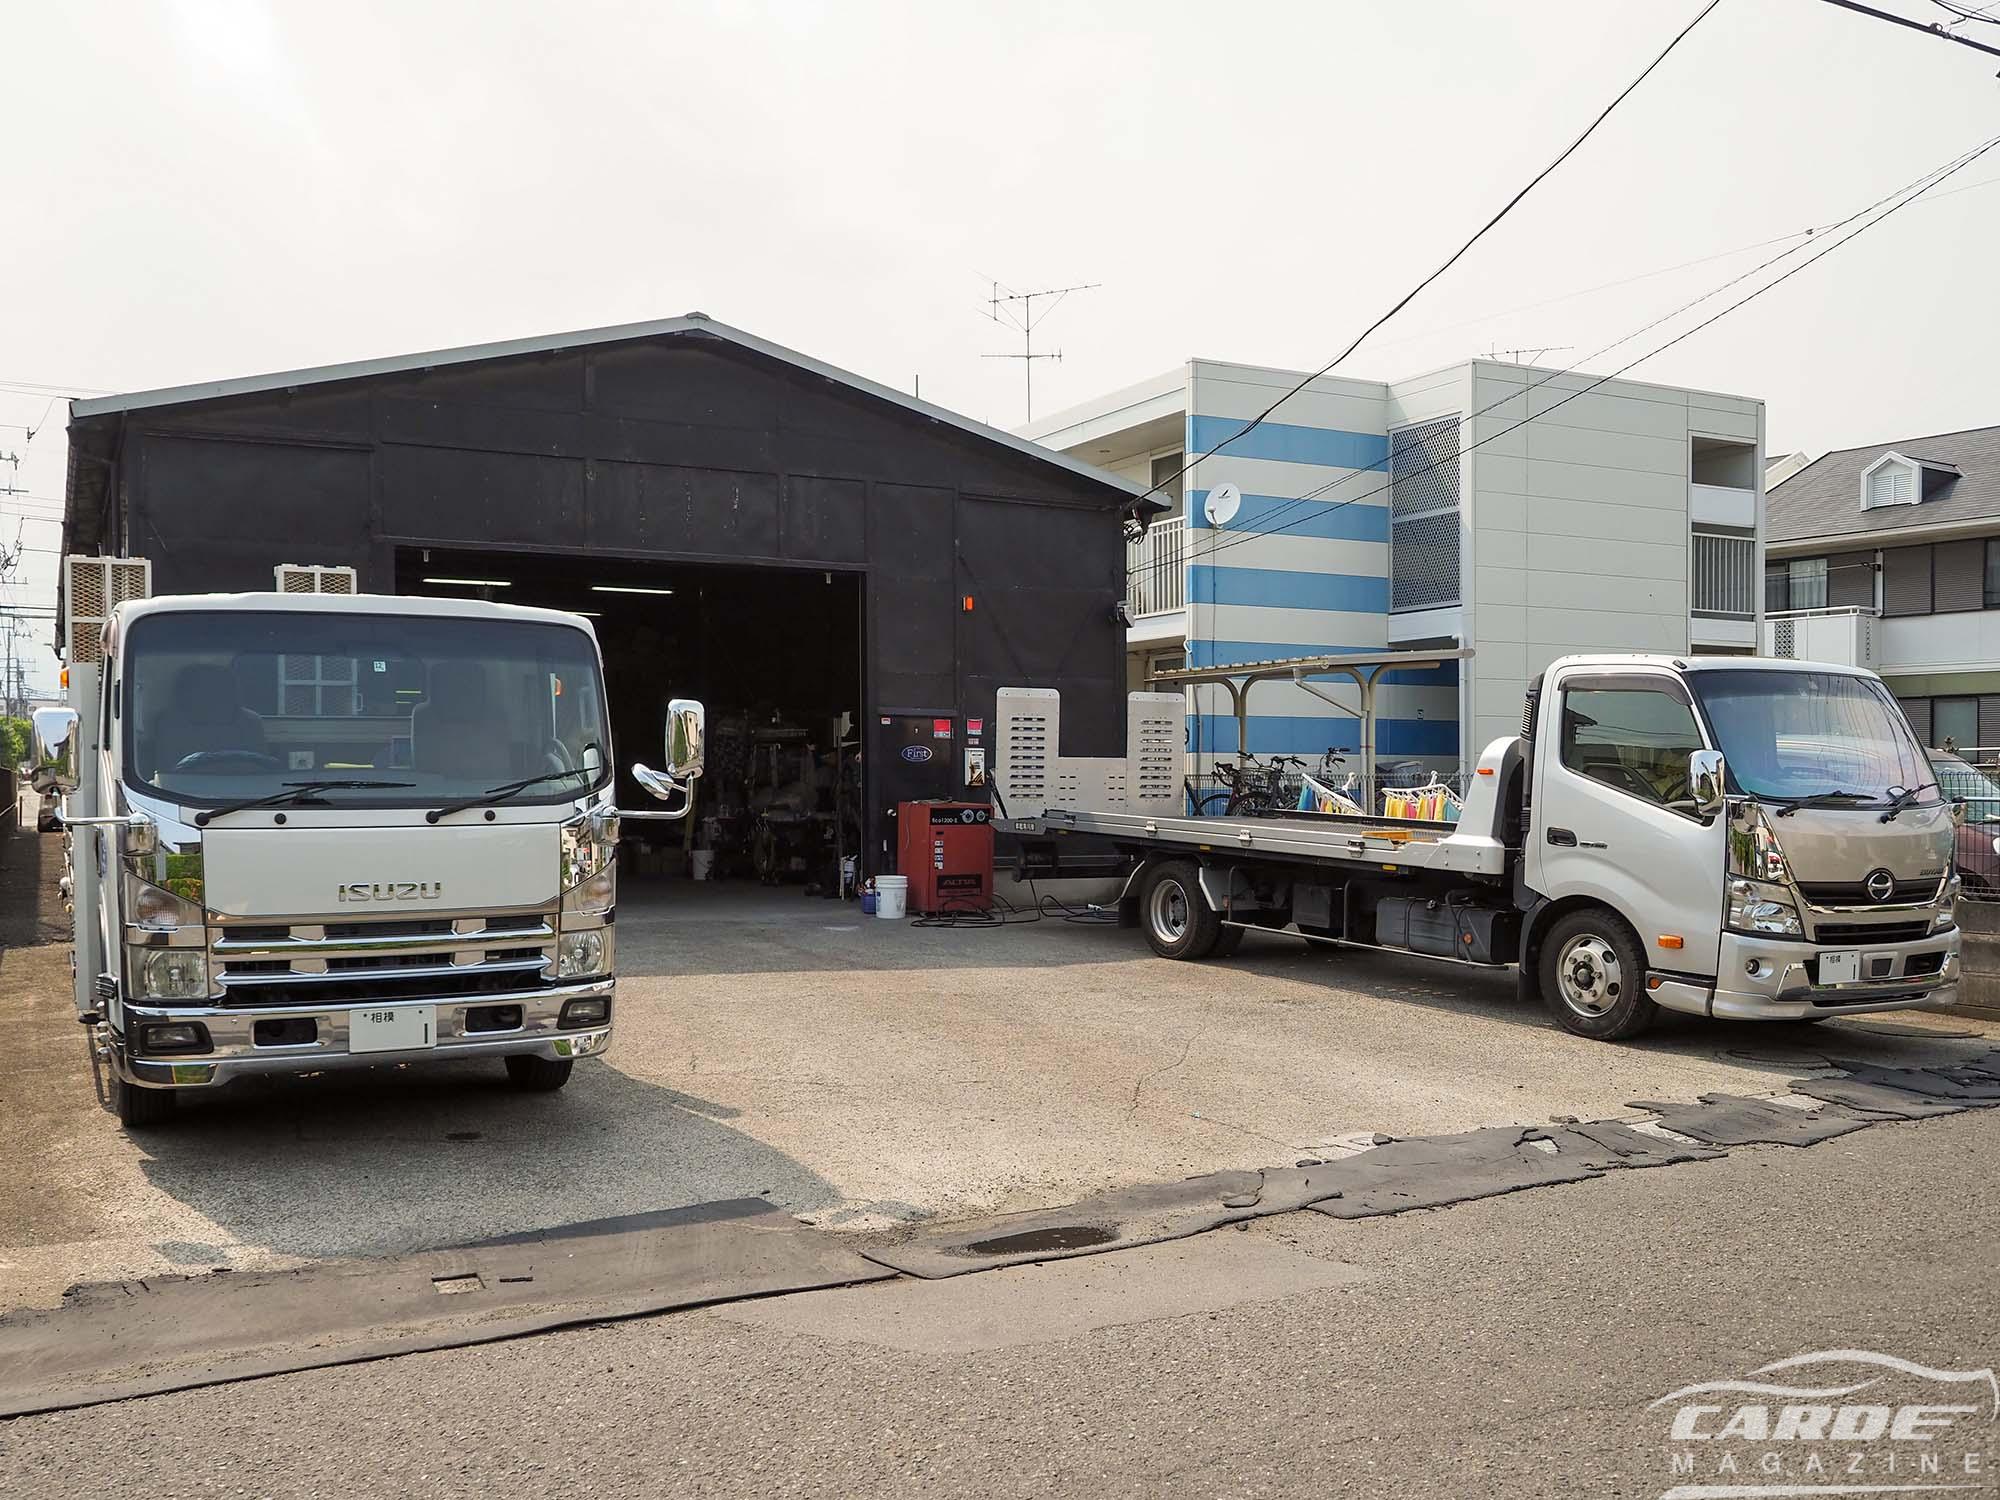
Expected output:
(92, 588)
(310, 578)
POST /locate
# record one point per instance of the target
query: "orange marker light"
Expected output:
(1670, 940)
(65, 679)
(1485, 770)
(968, 604)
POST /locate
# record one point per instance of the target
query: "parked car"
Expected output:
(1979, 834)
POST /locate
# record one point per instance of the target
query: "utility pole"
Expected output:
(1016, 310)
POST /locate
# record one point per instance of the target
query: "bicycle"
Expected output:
(1250, 789)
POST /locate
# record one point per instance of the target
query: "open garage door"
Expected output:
(775, 654)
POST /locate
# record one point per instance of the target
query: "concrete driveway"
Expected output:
(858, 1072)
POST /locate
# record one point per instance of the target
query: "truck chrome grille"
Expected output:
(399, 958)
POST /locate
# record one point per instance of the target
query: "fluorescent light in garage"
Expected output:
(624, 588)
(476, 583)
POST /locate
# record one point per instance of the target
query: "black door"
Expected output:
(912, 758)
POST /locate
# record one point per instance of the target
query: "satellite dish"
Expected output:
(1222, 504)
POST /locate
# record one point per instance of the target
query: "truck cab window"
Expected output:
(1633, 738)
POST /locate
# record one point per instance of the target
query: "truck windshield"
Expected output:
(218, 706)
(1788, 735)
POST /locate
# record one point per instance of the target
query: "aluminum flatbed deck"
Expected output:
(1376, 842)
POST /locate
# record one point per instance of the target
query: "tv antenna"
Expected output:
(1513, 356)
(1017, 310)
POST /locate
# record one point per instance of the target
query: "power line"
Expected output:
(1937, 31)
(1455, 256)
(1928, 181)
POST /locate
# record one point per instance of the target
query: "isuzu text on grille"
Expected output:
(407, 890)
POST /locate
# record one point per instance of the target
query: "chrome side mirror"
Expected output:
(686, 725)
(1706, 779)
(55, 759)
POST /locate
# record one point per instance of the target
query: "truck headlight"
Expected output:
(1947, 907)
(589, 872)
(174, 974)
(1754, 850)
(158, 909)
(579, 954)
(1762, 910)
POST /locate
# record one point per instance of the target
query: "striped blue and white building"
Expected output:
(1487, 505)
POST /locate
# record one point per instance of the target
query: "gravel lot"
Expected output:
(858, 1072)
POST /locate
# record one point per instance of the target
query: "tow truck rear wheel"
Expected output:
(1593, 979)
(138, 1108)
(539, 1075)
(1178, 920)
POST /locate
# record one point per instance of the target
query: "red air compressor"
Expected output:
(945, 849)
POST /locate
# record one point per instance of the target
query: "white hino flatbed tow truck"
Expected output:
(1724, 836)
(313, 829)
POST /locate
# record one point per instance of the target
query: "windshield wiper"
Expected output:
(502, 792)
(1902, 797)
(295, 794)
(1822, 799)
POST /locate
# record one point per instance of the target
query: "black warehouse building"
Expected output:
(844, 574)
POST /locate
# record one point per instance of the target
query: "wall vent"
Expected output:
(310, 578)
(92, 588)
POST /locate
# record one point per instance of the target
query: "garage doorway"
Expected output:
(774, 653)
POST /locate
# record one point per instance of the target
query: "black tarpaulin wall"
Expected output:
(675, 447)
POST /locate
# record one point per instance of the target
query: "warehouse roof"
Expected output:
(1823, 500)
(694, 323)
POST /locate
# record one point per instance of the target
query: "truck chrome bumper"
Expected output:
(1782, 988)
(235, 1052)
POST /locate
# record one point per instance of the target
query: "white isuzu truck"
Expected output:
(314, 830)
(1725, 836)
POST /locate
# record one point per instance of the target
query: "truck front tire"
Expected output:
(1176, 916)
(538, 1075)
(139, 1108)
(1593, 977)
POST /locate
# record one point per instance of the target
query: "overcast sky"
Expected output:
(206, 188)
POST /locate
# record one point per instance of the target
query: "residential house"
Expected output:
(1888, 557)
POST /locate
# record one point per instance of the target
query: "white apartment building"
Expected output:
(1888, 557)
(1521, 512)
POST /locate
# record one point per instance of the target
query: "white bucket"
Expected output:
(892, 893)
(704, 863)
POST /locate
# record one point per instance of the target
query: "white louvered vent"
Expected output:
(1032, 777)
(1785, 639)
(310, 578)
(92, 588)
(1890, 481)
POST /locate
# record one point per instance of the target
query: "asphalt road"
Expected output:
(857, 1072)
(1507, 1348)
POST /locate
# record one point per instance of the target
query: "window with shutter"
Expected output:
(1918, 712)
(1959, 572)
(1993, 572)
(1850, 580)
(1906, 581)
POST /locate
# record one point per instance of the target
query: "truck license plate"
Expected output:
(397, 1028)
(1840, 968)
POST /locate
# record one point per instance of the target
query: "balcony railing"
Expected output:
(1156, 569)
(1725, 576)
(1844, 635)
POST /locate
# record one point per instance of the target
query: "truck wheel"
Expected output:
(1593, 979)
(139, 1109)
(539, 1075)
(1178, 920)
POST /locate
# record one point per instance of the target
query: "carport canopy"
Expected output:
(1364, 668)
